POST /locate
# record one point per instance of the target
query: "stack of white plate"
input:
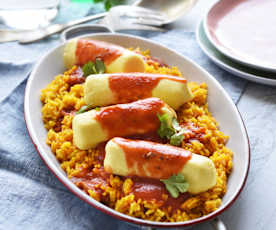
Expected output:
(240, 37)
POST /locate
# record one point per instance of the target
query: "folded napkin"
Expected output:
(31, 197)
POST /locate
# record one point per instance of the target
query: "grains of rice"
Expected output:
(116, 191)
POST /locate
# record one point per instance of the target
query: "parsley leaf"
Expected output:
(177, 139)
(173, 132)
(176, 184)
(165, 129)
(93, 68)
(176, 125)
(83, 109)
(110, 3)
(107, 5)
(88, 69)
(100, 66)
(86, 108)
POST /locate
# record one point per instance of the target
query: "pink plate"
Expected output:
(245, 31)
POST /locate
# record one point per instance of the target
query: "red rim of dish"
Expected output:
(134, 220)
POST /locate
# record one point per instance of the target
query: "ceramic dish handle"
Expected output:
(79, 30)
(216, 223)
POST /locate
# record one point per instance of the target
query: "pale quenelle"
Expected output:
(116, 58)
(148, 159)
(139, 117)
(107, 89)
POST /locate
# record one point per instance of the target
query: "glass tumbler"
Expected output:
(27, 14)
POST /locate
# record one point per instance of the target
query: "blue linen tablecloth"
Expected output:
(30, 196)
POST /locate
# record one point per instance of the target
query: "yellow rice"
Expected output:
(116, 192)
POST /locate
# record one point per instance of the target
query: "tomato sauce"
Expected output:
(128, 119)
(144, 188)
(152, 159)
(89, 50)
(58, 125)
(193, 132)
(155, 190)
(69, 110)
(76, 77)
(129, 87)
(91, 180)
(152, 136)
(152, 60)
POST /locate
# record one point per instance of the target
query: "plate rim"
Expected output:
(227, 67)
(225, 51)
(105, 209)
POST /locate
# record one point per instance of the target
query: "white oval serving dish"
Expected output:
(220, 104)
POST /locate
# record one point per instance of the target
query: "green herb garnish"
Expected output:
(165, 129)
(88, 69)
(176, 184)
(110, 3)
(86, 108)
(177, 138)
(100, 66)
(93, 68)
(170, 130)
(83, 109)
(176, 125)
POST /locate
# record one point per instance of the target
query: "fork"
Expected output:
(119, 17)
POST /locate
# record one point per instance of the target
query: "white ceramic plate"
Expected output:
(251, 74)
(243, 30)
(221, 106)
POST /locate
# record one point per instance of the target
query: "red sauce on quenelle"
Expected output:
(128, 119)
(89, 50)
(152, 159)
(129, 87)
(145, 188)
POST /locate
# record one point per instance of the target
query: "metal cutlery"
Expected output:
(121, 18)
(171, 9)
(118, 18)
